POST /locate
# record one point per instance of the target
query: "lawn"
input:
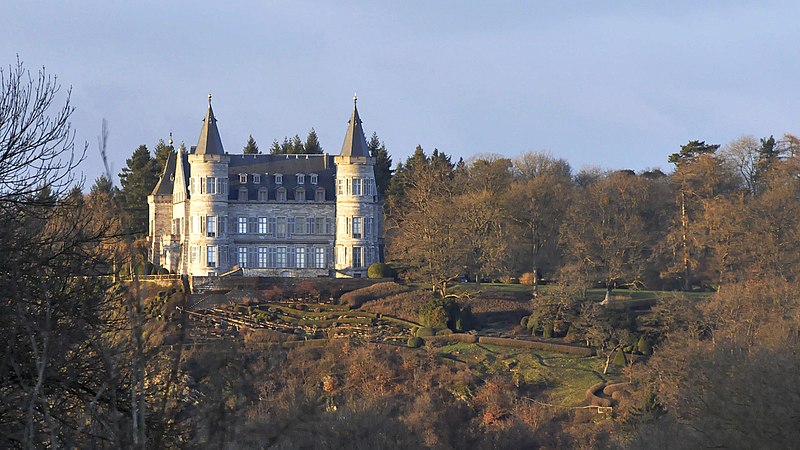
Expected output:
(551, 377)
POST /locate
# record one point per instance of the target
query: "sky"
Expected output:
(617, 85)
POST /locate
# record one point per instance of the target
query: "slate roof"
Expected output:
(210, 142)
(167, 181)
(355, 144)
(287, 165)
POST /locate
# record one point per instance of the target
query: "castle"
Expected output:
(270, 215)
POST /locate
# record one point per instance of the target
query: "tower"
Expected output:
(208, 240)
(358, 211)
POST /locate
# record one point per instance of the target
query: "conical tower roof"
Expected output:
(355, 144)
(210, 142)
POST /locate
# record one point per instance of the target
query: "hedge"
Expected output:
(593, 399)
(538, 345)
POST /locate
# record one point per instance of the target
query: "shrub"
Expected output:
(508, 279)
(404, 305)
(380, 270)
(571, 335)
(523, 322)
(425, 332)
(273, 294)
(620, 359)
(163, 271)
(444, 332)
(446, 313)
(548, 329)
(415, 342)
(308, 290)
(527, 279)
(643, 346)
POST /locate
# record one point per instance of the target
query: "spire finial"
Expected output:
(170, 142)
(209, 99)
(355, 99)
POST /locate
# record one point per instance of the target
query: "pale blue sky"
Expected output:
(611, 84)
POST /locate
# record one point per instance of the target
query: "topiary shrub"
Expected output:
(415, 342)
(444, 332)
(643, 346)
(548, 329)
(425, 332)
(163, 271)
(571, 335)
(523, 322)
(620, 359)
(380, 270)
(446, 313)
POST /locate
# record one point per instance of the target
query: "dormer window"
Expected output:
(300, 194)
(280, 194)
(278, 178)
(301, 178)
(256, 178)
(319, 194)
(314, 178)
(242, 178)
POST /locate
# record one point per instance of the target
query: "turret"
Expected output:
(358, 211)
(208, 212)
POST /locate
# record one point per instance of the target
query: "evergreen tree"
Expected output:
(102, 184)
(162, 152)
(312, 143)
(138, 180)
(251, 148)
(275, 149)
(297, 147)
(383, 163)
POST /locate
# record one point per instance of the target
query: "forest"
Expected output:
(92, 361)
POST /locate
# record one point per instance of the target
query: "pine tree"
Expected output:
(138, 180)
(297, 147)
(251, 148)
(162, 152)
(312, 143)
(383, 163)
(275, 149)
(102, 184)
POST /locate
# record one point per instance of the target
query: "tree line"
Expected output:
(723, 214)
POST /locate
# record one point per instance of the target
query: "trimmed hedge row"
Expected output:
(455, 337)
(593, 399)
(358, 297)
(538, 345)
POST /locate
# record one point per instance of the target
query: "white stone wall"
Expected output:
(355, 254)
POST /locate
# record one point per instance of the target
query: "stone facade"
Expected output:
(270, 215)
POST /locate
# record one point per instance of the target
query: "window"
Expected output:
(271, 257)
(357, 227)
(368, 227)
(319, 225)
(211, 256)
(256, 178)
(191, 186)
(356, 186)
(340, 187)
(319, 257)
(319, 195)
(241, 225)
(314, 178)
(301, 257)
(280, 257)
(356, 257)
(280, 194)
(252, 225)
(242, 178)
(211, 184)
(300, 225)
(211, 226)
(243, 194)
(262, 257)
(262, 225)
(262, 195)
(301, 178)
(242, 256)
(222, 185)
(328, 226)
(271, 226)
(300, 195)
(278, 178)
(281, 227)
(290, 229)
